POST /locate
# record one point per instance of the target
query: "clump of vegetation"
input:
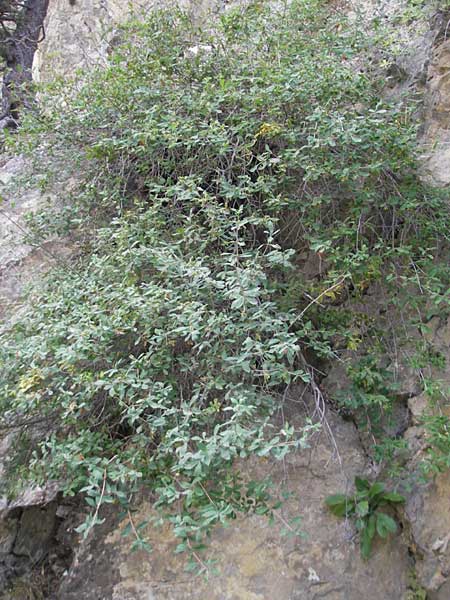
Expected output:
(370, 394)
(364, 507)
(208, 160)
(415, 590)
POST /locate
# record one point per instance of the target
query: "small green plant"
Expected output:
(364, 506)
(370, 395)
(415, 590)
(437, 457)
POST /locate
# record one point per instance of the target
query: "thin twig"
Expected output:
(317, 298)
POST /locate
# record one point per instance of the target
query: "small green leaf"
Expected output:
(371, 526)
(361, 484)
(362, 508)
(365, 543)
(181, 548)
(376, 489)
(339, 505)
(335, 499)
(393, 497)
(385, 525)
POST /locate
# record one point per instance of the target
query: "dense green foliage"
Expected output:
(210, 162)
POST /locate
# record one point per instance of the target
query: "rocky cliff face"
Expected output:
(78, 34)
(255, 561)
(436, 138)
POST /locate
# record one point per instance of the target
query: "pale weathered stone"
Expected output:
(35, 496)
(20, 259)
(78, 35)
(418, 407)
(428, 514)
(435, 141)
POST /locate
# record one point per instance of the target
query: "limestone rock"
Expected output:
(418, 407)
(22, 259)
(35, 496)
(77, 35)
(428, 509)
(428, 513)
(436, 139)
(8, 533)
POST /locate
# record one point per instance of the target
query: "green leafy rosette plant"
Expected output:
(364, 507)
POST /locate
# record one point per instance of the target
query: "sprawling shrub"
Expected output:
(206, 159)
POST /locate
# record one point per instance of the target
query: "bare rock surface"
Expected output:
(428, 514)
(22, 259)
(436, 140)
(427, 510)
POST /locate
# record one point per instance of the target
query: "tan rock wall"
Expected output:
(436, 139)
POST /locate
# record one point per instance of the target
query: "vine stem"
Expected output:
(97, 508)
(197, 557)
(317, 298)
(285, 523)
(133, 525)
